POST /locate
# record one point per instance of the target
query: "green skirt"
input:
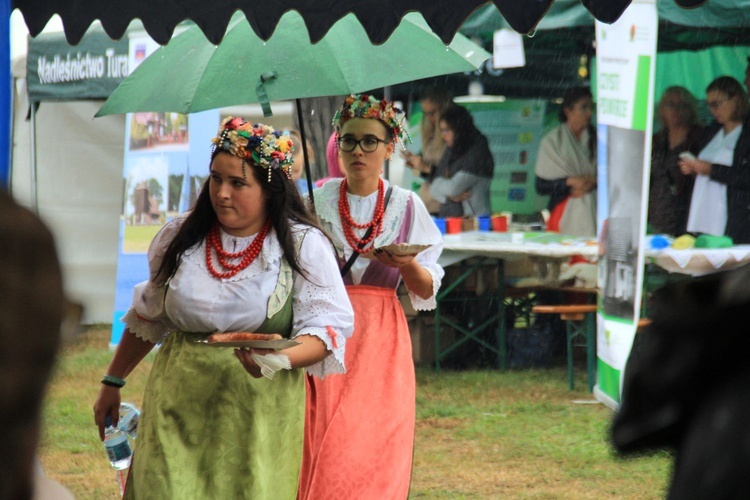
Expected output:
(209, 430)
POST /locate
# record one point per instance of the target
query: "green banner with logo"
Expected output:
(58, 71)
(626, 55)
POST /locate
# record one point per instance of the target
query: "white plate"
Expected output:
(402, 249)
(258, 344)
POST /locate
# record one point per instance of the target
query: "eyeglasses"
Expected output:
(366, 144)
(716, 104)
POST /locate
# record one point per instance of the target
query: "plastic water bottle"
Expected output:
(117, 446)
(129, 416)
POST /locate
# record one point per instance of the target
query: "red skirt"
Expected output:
(359, 426)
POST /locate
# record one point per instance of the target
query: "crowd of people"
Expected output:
(251, 256)
(700, 175)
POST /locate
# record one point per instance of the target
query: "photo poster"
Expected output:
(626, 56)
(165, 163)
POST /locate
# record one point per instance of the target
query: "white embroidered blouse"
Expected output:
(196, 301)
(422, 230)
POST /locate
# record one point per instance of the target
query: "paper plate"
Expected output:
(257, 344)
(402, 249)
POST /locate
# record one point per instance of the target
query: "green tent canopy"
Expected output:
(695, 46)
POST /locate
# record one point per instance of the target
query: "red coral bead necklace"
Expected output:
(248, 255)
(348, 224)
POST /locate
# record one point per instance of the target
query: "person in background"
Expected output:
(248, 257)
(566, 167)
(720, 204)
(298, 167)
(670, 190)
(333, 162)
(32, 306)
(359, 429)
(434, 102)
(462, 181)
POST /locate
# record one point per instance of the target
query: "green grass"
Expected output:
(137, 238)
(480, 434)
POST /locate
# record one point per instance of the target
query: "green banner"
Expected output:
(59, 71)
(625, 72)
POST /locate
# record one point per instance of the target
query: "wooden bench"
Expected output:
(580, 327)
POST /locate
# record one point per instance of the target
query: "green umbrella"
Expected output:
(191, 74)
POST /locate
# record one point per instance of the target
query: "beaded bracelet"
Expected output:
(113, 381)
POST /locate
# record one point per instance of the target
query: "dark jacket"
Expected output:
(737, 179)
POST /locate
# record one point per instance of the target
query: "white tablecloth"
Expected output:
(511, 246)
(699, 261)
(514, 246)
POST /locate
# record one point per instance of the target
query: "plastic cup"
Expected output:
(440, 223)
(453, 225)
(485, 223)
(499, 223)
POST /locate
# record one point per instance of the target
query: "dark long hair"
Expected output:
(460, 121)
(283, 204)
(731, 88)
(570, 99)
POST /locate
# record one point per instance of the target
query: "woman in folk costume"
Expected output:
(247, 258)
(566, 167)
(359, 429)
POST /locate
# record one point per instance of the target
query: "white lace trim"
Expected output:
(428, 304)
(151, 331)
(270, 253)
(327, 207)
(333, 363)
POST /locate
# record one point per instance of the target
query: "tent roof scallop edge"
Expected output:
(379, 17)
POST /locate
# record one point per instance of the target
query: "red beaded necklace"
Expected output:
(348, 224)
(248, 255)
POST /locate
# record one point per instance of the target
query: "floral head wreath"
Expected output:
(367, 106)
(257, 143)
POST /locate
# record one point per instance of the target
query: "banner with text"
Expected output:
(625, 61)
(56, 70)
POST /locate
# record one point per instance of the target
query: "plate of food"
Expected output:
(257, 340)
(401, 249)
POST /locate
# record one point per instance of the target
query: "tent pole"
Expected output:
(32, 157)
(308, 174)
(6, 108)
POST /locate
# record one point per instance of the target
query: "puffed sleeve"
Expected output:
(423, 231)
(146, 317)
(321, 304)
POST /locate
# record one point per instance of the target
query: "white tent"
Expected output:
(68, 166)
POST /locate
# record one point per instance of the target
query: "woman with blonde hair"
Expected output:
(434, 102)
(670, 189)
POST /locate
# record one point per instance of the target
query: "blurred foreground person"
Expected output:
(31, 314)
(686, 386)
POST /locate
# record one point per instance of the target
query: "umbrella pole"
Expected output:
(308, 174)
